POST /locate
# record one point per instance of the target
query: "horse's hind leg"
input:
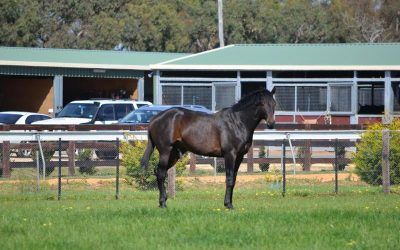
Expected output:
(230, 180)
(167, 160)
(161, 174)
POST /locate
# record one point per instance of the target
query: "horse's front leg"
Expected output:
(230, 179)
(238, 161)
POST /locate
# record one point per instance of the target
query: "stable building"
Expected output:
(44, 80)
(315, 83)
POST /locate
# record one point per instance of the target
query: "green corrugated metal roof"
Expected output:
(134, 60)
(71, 62)
(293, 56)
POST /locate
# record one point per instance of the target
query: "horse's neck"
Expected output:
(249, 119)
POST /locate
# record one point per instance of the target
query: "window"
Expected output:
(341, 98)
(9, 118)
(79, 110)
(171, 95)
(139, 105)
(396, 96)
(122, 110)
(197, 95)
(224, 95)
(285, 98)
(106, 113)
(35, 118)
(311, 98)
(370, 98)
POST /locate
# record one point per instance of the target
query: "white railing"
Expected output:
(104, 135)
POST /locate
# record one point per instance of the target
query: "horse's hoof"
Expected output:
(163, 206)
(229, 206)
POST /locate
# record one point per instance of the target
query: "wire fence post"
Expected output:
(284, 168)
(59, 169)
(117, 172)
(37, 170)
(250, 160)
(336, 166)
(385, 161)
(6, 159)
(192, 168)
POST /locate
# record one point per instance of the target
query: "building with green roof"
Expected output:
(315, 83)
(54, 77)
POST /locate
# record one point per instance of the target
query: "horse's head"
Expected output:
(268, 108)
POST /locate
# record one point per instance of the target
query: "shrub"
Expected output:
(274, 177)
(264, 167)
(48, 154)
(368, 158)
(85, 157)
(131, 156)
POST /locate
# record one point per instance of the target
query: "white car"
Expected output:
(15, 117)
(94, 112)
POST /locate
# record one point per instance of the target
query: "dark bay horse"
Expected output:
(227, 133)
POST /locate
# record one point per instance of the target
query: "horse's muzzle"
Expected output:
(271, 125)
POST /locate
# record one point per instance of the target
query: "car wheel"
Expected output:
(24, 153)
(106, 154)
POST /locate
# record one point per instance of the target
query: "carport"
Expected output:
(44, 80)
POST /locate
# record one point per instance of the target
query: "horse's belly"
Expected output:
(202, 143)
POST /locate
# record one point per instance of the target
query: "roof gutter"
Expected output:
(74, 65)
(273, 67)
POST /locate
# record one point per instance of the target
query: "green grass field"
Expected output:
(196, 219)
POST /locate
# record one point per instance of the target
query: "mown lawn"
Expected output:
(196, 219)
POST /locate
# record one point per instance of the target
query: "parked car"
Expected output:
(94, 112)
(16, 117)
(144, 114)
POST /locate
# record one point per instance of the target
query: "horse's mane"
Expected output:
(249, 100)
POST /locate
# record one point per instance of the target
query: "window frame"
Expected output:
(328, 86)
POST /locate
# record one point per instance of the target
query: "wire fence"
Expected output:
(292, 162)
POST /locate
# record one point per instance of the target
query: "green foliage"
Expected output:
(264, 167)
(341, 152)
(48, 154)
(368, 158)
(85, 156)
(301, 154)
(131, 157)
(191, 26)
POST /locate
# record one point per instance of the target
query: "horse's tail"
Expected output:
(144, 162)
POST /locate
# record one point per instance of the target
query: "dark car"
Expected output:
(143, 115)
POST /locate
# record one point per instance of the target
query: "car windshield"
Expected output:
(79, 110)
(140, 116)
(9, 118)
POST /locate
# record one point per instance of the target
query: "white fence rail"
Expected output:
(267, 135)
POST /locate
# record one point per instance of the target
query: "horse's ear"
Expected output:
(273, 90)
